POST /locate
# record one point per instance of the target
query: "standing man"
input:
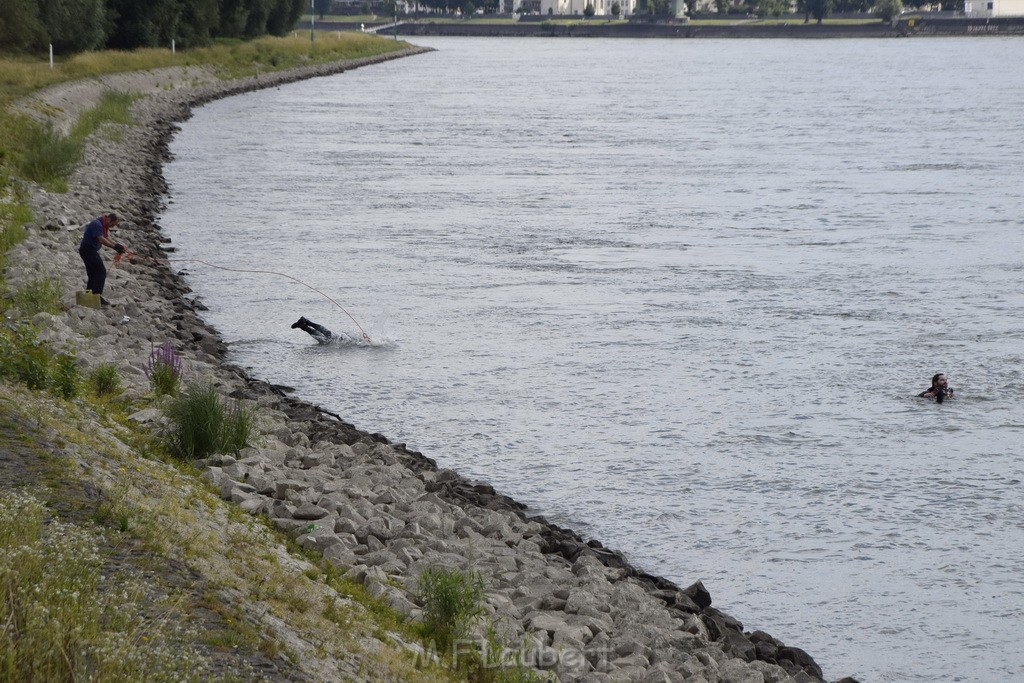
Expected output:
(96, 234)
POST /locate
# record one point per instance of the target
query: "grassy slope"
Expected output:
(202, 572)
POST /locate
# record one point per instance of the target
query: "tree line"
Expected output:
(79, 25)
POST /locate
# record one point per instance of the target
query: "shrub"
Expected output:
(113, 107)
(41, 295)
(203, 424)
(164, 370)
(49, 156)
(104, 380)
(452, 601)
(13, 216)
(887, 10)
(23, 357)
(239, 427)
(67, 377)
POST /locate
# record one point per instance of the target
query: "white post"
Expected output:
(312, 24)
(51, 55)
(173, 51)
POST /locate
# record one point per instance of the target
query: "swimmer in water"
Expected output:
(939, 390)
(315, 330)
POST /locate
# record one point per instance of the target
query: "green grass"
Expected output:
(60, 619)
(113, 108)
(20, 75)
(14, 214)
(780, 21)
(163, 381)
(164, 369)
(474, 20)
(67, 378)
(47, 156)
(350, 19)
(39, 295)
(104, 380)
(41, 153)
(23, 357)
(453, 600)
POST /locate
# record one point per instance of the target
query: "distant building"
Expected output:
(602, 8)
(994, 8)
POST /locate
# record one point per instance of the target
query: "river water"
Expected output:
(676, 295)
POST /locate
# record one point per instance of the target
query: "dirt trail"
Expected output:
(63, 103)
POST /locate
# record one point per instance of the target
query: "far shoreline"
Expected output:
(537, 27)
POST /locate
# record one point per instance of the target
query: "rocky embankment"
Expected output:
(381, 512)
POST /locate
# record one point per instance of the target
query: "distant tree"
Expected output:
(468, 8)
(20, 27)
(722, 6)
(616, 10)
(588, 10)
(659, 8)
(74, 25)
(322, 7)
(197, 24)
(819, 9)
(284, 14)
(773, 8)
(143, 23)
(887, 10)
(256, 18)
(232, 18)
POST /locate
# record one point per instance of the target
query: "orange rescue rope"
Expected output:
(132, 256)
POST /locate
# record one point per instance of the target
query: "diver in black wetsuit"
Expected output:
(315, 330)
(940, 389)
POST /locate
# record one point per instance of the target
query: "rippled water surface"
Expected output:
(676, 295)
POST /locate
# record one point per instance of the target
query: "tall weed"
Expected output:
(105, 380)
(40, 295)
(23, 357)
(13, 216)
(67, 377)
(164, 370)
(48, 157)
(202, 423)
(453, 600)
